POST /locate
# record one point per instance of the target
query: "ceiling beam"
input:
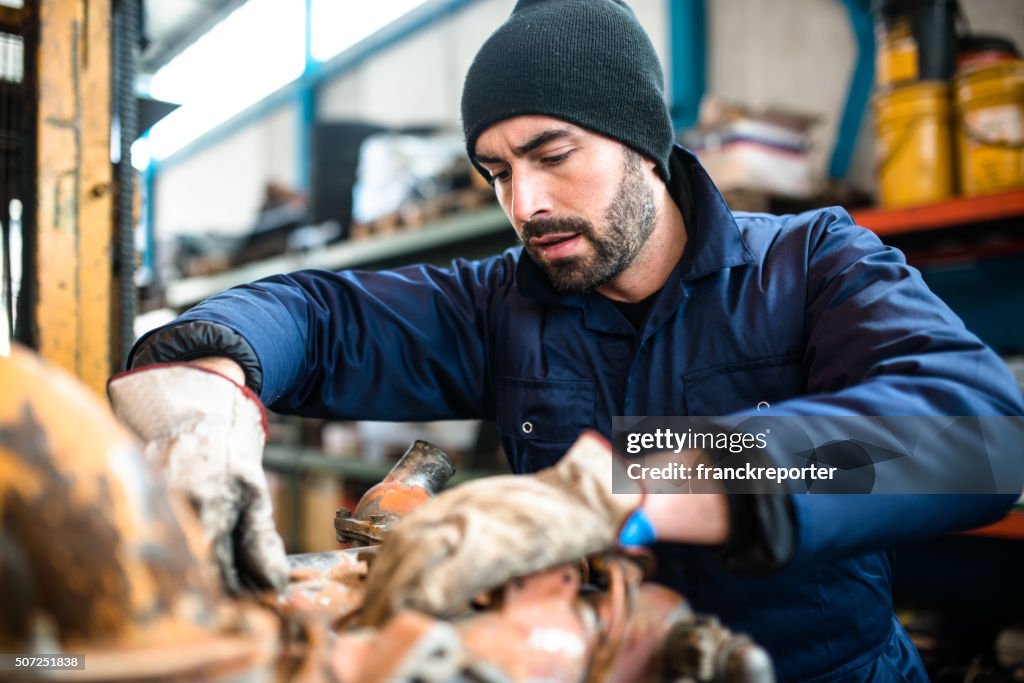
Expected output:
(166, 47)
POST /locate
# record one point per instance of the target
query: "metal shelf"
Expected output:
(951, 213)
(349, 254)
(1009, 527)
(292, 460)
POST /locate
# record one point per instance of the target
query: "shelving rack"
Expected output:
(957, 212)
(484, 230)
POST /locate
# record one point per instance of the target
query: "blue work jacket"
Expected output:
(807, 312)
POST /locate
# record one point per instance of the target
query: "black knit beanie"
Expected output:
(588, 62)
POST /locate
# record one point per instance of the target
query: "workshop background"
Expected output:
(156, 152)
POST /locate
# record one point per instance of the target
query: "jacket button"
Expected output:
(527, 427)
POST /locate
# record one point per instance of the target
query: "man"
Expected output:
(636, 292)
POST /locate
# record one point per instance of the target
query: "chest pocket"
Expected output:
(540, 419)
(742, 386)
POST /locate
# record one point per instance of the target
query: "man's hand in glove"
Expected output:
(206, 433)
(479, 535)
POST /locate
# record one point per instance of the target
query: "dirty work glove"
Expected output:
(477, 536)
(206, 434)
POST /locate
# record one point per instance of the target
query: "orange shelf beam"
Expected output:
(947, 214)
(1011, 526)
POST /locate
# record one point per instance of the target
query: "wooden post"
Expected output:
(74, 208)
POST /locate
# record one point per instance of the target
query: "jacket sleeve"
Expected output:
(405, 344)
(879, 342)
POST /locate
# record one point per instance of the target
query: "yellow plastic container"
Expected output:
(914, 144)
(897, 55)
(990, 127)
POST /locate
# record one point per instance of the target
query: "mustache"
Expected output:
(548, 226)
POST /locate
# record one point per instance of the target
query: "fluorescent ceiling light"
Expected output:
(253, 52)
(337, 25)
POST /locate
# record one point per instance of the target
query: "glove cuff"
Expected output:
(158, 401)
(638, 530)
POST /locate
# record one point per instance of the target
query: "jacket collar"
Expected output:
(713, 237)
(713, 240)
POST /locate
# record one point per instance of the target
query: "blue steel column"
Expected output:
(860, 88)
(307, 96)
(687, 60)
(149, 255)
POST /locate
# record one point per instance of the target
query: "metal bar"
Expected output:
(25, 322)
(307, 105)
(126, 42)
(11, 94)
(349, 254)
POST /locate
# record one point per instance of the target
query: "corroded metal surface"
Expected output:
(90, 534)
(703, 649)
(410, 647)
(325, 586)
(536, 629)
(421, 472)
(359, 532)
(95, 547)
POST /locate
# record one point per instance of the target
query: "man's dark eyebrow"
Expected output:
(533, 143)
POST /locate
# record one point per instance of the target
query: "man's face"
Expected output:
(581, 203)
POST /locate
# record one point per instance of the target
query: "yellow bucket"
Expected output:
(897, 55)
(914, 144)
(990, 127)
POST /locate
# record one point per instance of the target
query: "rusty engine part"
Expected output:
(545, 626)
(702, 649)
(327, 586)
(420, 473)
(548, 626)
(97, 556)
(595, 621)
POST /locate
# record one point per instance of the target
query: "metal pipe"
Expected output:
(421, 472)
(126, 40)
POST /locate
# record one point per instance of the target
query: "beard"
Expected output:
(628, 223)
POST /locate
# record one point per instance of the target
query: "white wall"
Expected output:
(220, 188)
(419, 80)
(1005, 17)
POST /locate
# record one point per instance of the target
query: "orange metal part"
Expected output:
(95, 545)
(421, 472)
(539, 632)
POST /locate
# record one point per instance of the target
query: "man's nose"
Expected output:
(530, 198)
